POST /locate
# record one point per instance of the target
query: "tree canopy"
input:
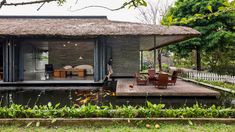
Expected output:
(217, 31)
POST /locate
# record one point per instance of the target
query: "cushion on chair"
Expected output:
(67, 67)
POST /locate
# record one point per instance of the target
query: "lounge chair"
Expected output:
(141, 80)
(162, 81)
(173, 78)
(152, 75)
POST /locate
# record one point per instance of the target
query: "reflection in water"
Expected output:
(94, 97)
(100, 96)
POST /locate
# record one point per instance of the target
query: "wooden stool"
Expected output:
(63, 73)
(57, 73)
(81, 72)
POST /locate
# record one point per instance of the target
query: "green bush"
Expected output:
(88, 110)
(224, 69)
(165, 67)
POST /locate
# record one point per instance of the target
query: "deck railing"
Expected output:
(210, 76)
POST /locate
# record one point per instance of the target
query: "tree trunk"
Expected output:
(198, 58)
(159, 59)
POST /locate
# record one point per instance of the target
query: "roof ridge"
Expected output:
(51, 17)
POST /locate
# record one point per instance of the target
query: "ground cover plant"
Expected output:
(125, 111)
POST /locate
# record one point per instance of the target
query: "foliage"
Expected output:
(185, 61)
(147, 60)
(215, 20)
(206, 11)
(218, 83)
(165, 67)
(224, 69)
(88, 110)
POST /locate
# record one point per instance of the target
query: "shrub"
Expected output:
(88, 110)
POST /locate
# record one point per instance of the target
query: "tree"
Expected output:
(154, 11)
(127, 4)
(152, 14)
(217, 28)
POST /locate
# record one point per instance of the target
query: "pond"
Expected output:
(98, 95)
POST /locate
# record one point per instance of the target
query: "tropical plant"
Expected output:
(125, 111)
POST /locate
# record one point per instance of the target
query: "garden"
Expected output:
(207, 60)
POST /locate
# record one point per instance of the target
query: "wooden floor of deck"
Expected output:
(182, 88)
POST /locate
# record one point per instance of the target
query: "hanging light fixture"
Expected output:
(80, 58)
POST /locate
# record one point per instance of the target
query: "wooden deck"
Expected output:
(181, 88)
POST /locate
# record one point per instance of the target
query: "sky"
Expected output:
(71, 5)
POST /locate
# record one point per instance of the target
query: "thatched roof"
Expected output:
(82, 26)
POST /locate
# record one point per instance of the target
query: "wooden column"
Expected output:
(198, 58)
(154, 54)
(141, 60)
(159, 59)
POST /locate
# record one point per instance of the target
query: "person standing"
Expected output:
(109, 66)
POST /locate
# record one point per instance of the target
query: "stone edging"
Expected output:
(209, 85)
(107, 121)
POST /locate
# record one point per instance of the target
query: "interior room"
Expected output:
(58, 60)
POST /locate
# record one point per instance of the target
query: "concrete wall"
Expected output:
(1, 57)
(60, 55)
(125, 53)
(29, 55)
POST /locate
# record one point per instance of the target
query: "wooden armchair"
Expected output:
(173, 78)
(162, 81)
(151, 73)
(141, 80)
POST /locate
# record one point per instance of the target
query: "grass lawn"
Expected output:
(218, 83)
(119, 128)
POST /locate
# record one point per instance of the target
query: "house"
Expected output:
(77, 48)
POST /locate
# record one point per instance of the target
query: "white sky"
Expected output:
(53, 9)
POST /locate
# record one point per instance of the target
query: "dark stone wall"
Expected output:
(60, 55)
(29, 56)
(125, 53)
(1, 56)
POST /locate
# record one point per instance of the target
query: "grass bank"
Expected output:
(118, 128)
(218, 83)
